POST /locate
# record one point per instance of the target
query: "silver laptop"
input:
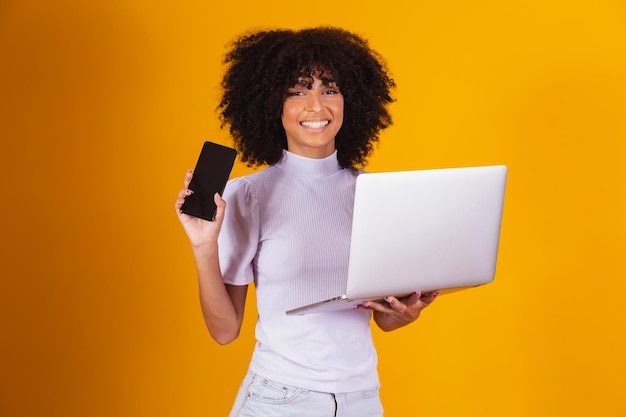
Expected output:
(423, 230)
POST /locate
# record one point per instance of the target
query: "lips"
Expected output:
(315, 124)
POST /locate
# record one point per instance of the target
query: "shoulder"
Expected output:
(240, 188)
(246, 186)
(351, 173)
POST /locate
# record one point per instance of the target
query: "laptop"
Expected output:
(426, 230)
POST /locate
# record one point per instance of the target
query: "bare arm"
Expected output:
(222, 304)
(398, 313)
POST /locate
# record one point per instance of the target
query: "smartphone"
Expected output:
(210, 176)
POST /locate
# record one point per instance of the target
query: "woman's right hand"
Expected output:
(199, 231)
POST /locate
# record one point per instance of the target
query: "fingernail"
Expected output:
(365, 304)
(388, 299)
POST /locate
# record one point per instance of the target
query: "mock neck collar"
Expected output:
(309, 167)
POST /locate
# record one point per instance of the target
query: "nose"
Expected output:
(313, 102)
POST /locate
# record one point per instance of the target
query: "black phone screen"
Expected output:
(209, 177)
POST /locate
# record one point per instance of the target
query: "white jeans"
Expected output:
(260, 397)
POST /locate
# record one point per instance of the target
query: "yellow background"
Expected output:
(105, 104)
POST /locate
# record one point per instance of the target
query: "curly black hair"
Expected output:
(261, 66)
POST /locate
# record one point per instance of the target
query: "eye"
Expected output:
(295, 92)
(331, 89)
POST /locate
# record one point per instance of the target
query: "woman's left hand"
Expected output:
(398, 312)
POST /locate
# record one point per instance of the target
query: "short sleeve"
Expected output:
(239, 236)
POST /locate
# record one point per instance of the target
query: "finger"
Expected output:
(373, 305)
(221, 206)
(394, 302)
(181, 199)
(428, 298)
(184, 193)
(411, 299)
(188, 177)
(179, 204)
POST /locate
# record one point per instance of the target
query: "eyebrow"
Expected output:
(307, 81)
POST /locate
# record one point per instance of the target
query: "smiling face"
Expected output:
(312, 117)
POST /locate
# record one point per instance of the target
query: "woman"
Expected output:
(310, 104)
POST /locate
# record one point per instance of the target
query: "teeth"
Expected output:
(314, 125)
